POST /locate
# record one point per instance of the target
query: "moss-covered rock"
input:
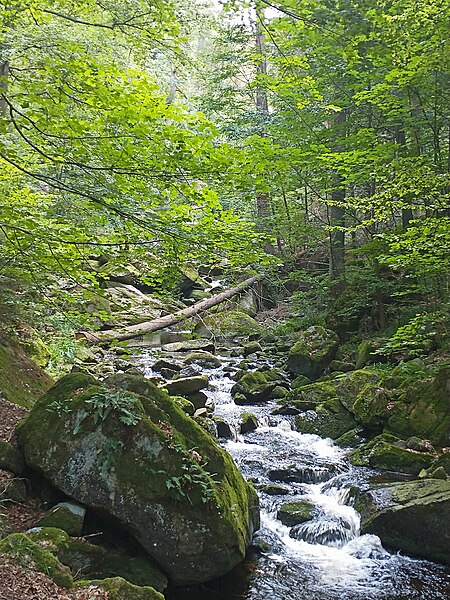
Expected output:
(202, 358)
(249, 422)
(410, 516)
(273, 489)
(330, 419)
(388, 453)
(227, 324)
(11, 458)
(29, 554)
(256, 386)
(120, 589)
(308, 397)
(312, 352)
(251, 348)
(66, 516)
(423, 408)
(21, 380)
(294, 513)
(140, 459)
(89, 561)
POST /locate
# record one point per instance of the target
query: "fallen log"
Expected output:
(132, 331)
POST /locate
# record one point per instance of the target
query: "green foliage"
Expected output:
(418, 337)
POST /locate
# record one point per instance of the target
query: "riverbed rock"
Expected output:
(329, 419)
(186, 385)
(249, 422)
(120, 589)
(388, 453)
(203, 359)
(189, 346)
(129, 306)
(410, 516)
(227, 324)
(139, 459)
(294, 513)
(223, 428)
(313, 351)
(256, 386)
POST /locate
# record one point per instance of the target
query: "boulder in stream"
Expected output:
(129, 452)
(411, 516)
(312, 352)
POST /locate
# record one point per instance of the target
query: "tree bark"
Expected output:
(128, 333)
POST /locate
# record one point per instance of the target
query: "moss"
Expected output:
(66, 516)
(309, 396)
(256, 386)
(21, 380)
(294, 513)
(423, 409)
(249, 422)
(360, 456)
(185, 405)
(120, 589)
(11, 458)
(91, 561)
(226, 324)
(349, 387)
(371, 407)
(351, 439)
(312, 353)
(29, 554)
(388, 457)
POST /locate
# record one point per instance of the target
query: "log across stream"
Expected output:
(325, 558)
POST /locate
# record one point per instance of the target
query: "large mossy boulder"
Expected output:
(423, 406)
(130, 453)
(227, 324)
(313, 351)
(411, 516)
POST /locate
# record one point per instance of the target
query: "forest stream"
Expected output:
(325, 558)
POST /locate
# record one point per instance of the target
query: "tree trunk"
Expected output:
(128, 333)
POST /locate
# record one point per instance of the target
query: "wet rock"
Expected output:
(169, 373)
(248, 422)
(149, 467)
(256, 386)
(330, 419)
(300, 381)
(203, 359)
(410, 516)
(190, 371)
(189, 346)
(274, 490)
(129, 306)
(223, 428)
(306, 474)
(67, 516)
(186, 385)
(294, 513)
(351, 439)
(312, 352)
(162, 363)
(251, 348)
(198, 399)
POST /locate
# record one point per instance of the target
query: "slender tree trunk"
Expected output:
(336, 215)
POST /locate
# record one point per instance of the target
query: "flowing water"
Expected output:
(323, 559)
